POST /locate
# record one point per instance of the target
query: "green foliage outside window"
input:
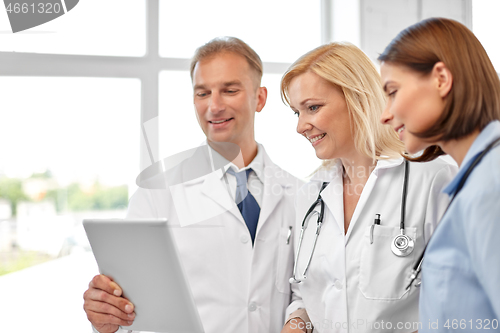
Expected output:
(11, 190)
(96, 198)
(69, 198)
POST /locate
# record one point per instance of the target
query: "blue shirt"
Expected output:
(461, 270)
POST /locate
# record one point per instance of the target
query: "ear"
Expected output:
(443, 77)
(261, 98)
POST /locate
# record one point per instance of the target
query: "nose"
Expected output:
(386, 116)
(216, 104)
(303, 125)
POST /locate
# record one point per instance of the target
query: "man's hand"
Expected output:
(105, 307)
(295, 325)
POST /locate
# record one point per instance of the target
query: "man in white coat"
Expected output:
(238, 272)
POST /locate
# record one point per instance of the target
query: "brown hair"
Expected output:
(228, 44)
(474, 99)
(347, 68)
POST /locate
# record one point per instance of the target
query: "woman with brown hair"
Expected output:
(444, 97)
(369, 212)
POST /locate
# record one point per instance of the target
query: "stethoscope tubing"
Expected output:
(405, 194)
(310, 212)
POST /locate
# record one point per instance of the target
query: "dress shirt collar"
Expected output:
(257, 164)
(490, 133)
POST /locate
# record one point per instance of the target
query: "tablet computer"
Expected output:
(140, 255)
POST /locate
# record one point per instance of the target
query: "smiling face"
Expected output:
(323, 115)
(415, 102)
(226, 97)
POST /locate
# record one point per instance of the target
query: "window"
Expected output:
(92, 27)
(70, 144)
(279, 30)
(485, 25)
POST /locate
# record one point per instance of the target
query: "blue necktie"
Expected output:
(246, 202)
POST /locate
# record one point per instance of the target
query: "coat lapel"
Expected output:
(276, 182)
(200, 199)
(273, 193)
(367, 190)
(333, 194)
(214, 190)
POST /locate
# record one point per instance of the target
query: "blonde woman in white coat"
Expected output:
(355, 283)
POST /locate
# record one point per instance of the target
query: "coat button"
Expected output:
(244, 239)
(338, 285)
(252, 307)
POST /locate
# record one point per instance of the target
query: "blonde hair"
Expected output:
(234, 45)
(345, 66)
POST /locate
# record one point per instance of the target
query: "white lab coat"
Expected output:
(356, 286)
(236, 288)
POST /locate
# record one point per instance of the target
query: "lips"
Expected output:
(220, 124)
(315, 138)
(219, 121)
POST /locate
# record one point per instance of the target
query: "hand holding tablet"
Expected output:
(105, 307)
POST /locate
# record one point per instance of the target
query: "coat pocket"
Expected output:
(382, 274)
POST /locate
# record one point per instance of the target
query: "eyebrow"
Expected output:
(225, 84)
(304, 102)
(232, 83)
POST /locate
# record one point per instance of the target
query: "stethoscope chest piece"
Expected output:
(402, 245)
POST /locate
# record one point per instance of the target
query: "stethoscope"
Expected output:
(310, 212)
(418, 266)
(402, 245)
